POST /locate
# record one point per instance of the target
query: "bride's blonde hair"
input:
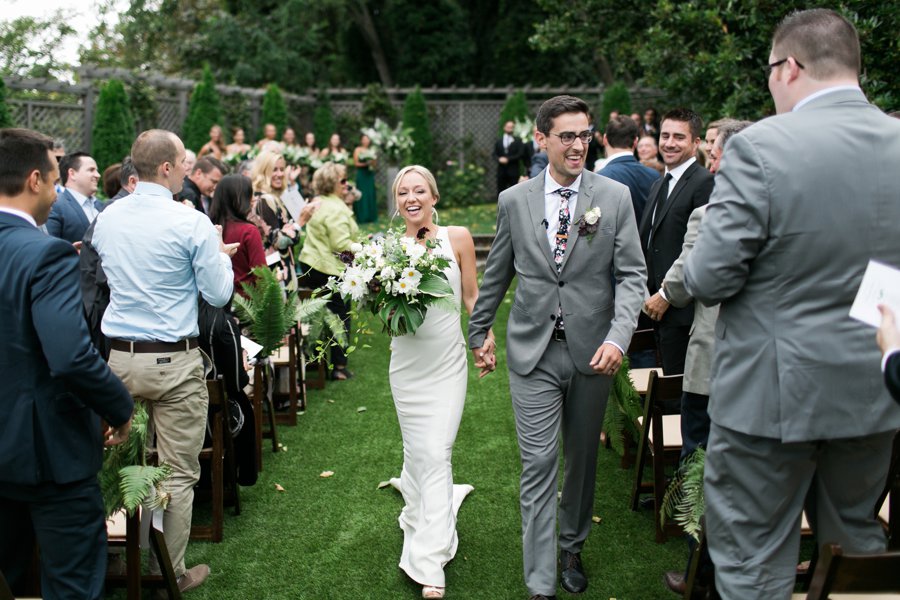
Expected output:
(424, 172)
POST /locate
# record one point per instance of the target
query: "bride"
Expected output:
(428, 375)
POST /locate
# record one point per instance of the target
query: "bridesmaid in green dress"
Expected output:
(366, 208)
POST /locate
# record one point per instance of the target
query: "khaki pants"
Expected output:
(173, 388)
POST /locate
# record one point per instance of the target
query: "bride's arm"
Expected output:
(464, 248)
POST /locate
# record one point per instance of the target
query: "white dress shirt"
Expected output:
(814, 95)
(551, 206)
(18, 213)
(86, 204)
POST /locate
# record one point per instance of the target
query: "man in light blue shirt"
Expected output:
(158, 255)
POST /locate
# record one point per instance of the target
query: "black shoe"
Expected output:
(572, 575)
(542, 597)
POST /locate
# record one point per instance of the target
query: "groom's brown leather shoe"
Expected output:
(572, 575)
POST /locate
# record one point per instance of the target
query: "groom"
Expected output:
(571, 238)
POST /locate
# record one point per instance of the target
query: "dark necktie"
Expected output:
(562, 240)
(662, 196)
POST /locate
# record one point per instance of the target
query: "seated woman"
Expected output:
(330, 231)
(231, 204)
(215, 146)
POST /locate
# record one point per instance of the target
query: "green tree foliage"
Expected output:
(615, 97)
(415, 116)
(5, 115)
(323, 119)
(29, 45)
(113, 131)
(204, 112)
(274, 109)
(515, 109)
(377, 105)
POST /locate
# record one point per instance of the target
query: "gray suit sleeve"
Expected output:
(630, 272)
(735, 227)
(498, 274)
(674, 281)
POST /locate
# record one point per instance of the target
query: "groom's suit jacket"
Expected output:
(802, 202)
(593, 310)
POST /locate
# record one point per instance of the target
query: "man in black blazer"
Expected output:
(76, 207)
(54, 388)
(509, 151)
(889, 341)
(685, 186)
(200, 184)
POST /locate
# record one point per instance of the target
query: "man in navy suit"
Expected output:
(54, 388)
(76, 207)
(619, 142)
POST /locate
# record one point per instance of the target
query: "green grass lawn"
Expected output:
(338, 537)
(481, 218)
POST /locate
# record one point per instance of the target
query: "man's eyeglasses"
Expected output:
(770, 67)
(568, 137)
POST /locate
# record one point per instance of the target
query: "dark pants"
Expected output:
(316, 279)
(694, 422)
(67, 521)
(672, 341)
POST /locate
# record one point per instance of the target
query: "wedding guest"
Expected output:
(800, 415)
(648, 153)
(55, 388)
(651, 123)
(199, 186)
(289, 138)
(329, 232)
(270, 132)
(428, 376)
(636, 118)
(190, 159)
(309, 142)
(509, 152)
(889, 342)
(334, 147)
(238, 145)
(77, 206)
(157, 255)
(110, 179)
(215, 146)
(366, 209)
(619, 142)
(273, 183)
(230, 206)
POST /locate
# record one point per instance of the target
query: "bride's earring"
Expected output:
(434, 216)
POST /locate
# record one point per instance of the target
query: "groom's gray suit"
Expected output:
(551, 382)
(802, 202)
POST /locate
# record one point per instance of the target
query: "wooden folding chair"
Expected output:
(220, 457)
(643, 340)
(287, 357)
(263, 383)
(838, 575)
(315, 377)
(124, 530)
(661, 440)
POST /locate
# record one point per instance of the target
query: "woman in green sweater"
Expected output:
(329, 232)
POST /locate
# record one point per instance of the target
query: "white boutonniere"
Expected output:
(589, 223)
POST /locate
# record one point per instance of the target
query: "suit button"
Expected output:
(562, 283)
(553, 317)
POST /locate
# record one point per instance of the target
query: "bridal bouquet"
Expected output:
(396, 279)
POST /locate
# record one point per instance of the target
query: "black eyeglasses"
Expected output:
(344, 181)
(770, 67)
(568, 137)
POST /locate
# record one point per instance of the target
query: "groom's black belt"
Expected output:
(559, 335)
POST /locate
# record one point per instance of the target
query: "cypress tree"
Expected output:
(415, 116)
(274, 110)
(515, 109)
(204, 112)
(323, 119)
(616, 97)
(113, 131)
(5, 115)
(377, 105)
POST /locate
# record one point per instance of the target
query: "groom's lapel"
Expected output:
(585, 198)
(534, 196)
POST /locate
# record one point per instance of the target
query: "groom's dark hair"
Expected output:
(556, 106)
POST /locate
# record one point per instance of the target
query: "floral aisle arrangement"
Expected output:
(233, 160)
(394, 144)
(301, 156)
(524, 130)
(397, 279)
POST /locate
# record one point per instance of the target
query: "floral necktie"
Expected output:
(562, 234)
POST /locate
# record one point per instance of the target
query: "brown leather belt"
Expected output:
(154, 347)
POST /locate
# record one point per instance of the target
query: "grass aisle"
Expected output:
(338, 537)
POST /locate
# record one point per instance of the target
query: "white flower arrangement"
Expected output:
(368, 154)
(524, 130)
(337, 157)
(395, 144)
(397, 279)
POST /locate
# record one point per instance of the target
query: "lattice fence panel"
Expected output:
(168, 114)
(58, 120)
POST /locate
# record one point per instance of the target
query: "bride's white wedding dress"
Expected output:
(428, 375)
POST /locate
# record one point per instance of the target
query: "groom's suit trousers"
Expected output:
(556, 396)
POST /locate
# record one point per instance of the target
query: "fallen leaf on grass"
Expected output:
(361, 409)
(383, 484)
(325, 474)
(596, 519)
(278, 488)
(330, 401)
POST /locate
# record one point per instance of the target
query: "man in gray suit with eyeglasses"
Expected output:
(571, 239)
(802, 201)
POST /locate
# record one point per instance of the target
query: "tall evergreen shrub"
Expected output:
(274, 110)
(5, 114)
(323, 119)
(113, 131)
(616, 97)
(204, 112)
(377, 105)
(415, 116)
(515, 109)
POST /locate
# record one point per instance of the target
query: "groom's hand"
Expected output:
(607, 359)
(485, 360)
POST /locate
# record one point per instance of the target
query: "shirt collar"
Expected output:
(678, 171)
(147, 188)
(619, 155)
(79, 197)
(18, 213)
(550, 184)
(820, 93)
